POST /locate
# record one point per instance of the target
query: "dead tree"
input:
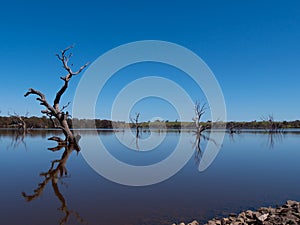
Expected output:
(270, 125)
(55, 174)
(199, 111)
(19, 122)
(273, 129)
(136, 124)
(56, 113)
(233, 128)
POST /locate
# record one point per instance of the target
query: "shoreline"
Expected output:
(288, 213)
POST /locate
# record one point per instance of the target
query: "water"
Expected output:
(252, 169)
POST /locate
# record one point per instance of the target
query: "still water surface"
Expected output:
(252, 169)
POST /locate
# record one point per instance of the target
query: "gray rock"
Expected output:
(263, 217)
(193, 223)
(211, 222)
(289, 213)
(249, 214)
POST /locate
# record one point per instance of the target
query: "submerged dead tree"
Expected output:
(233, 128)
(136, 124)
(21, 129)
(273, 129)
(56, 113)
(18, 122)
(199, 111)
(271, 126)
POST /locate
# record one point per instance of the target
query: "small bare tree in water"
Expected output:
(18, 122)
(271, 126)
(136, 124)
(56, 113)
(199, 110)
(273, 129)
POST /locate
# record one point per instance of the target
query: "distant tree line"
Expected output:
(45, 123)
(264, 124)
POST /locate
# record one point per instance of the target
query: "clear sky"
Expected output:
(253, 48)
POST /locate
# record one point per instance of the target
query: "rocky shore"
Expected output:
(289, 213)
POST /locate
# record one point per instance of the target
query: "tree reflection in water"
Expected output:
(17, 139)
(56, 173)
(274, 137)
(197, 145)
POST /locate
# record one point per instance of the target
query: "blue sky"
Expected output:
(252, 47)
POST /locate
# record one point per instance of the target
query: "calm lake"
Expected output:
(252, 169)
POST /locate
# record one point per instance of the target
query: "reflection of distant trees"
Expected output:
(18, 137)
(33, 133)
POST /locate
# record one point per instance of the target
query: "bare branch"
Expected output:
(65, 106)
(41, 98)
(65, 59)
(81, 68)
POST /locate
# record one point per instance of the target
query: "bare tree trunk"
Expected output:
(199, 111)
(136, 124)
(54, 112)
